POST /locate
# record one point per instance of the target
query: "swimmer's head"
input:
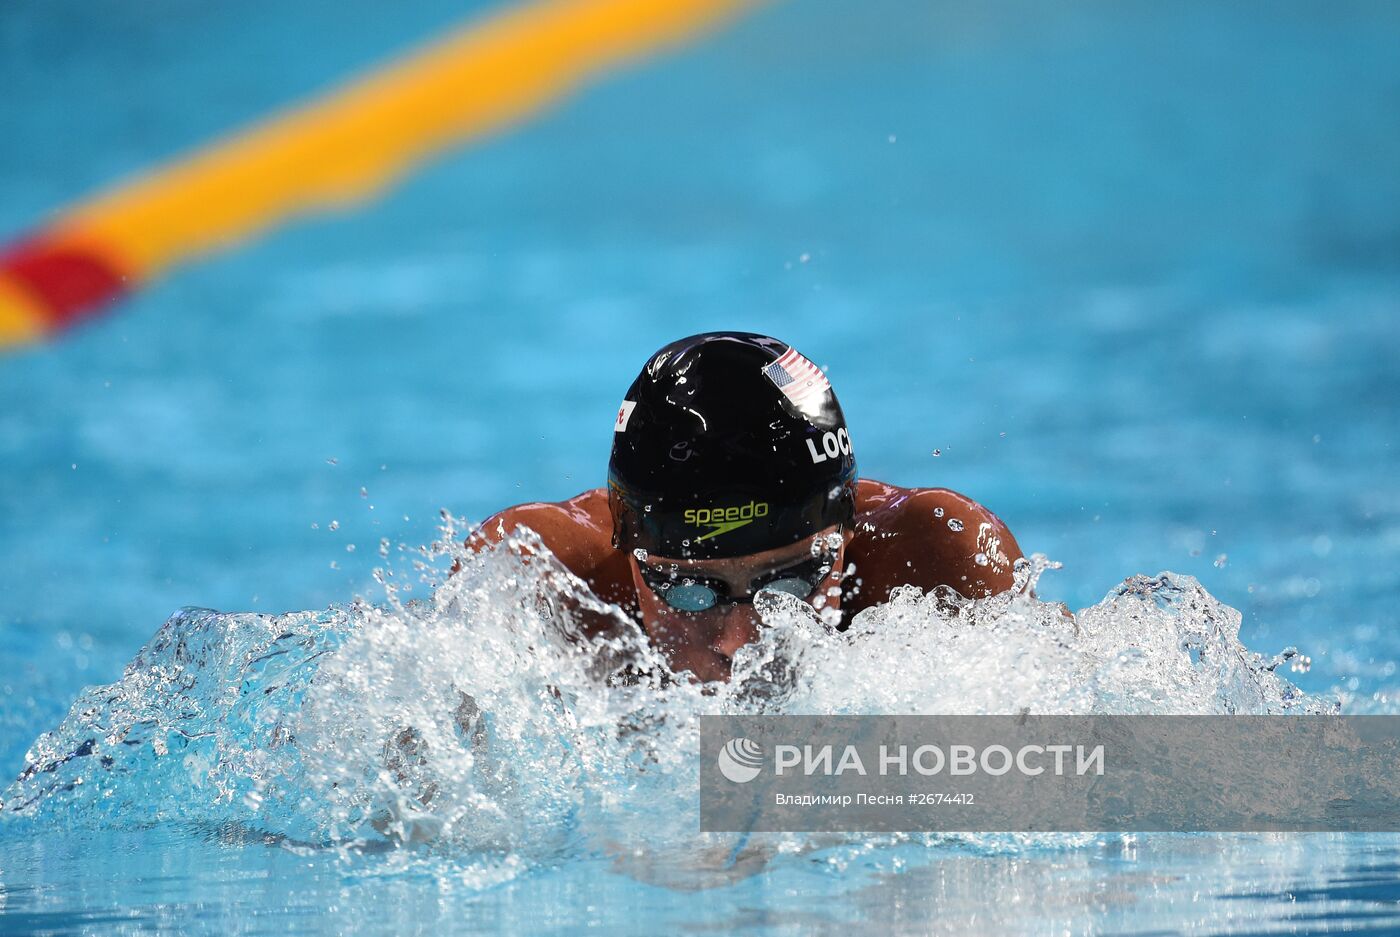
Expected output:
(728, 444)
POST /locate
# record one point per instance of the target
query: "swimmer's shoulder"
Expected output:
(578, 531)
(880, 501)
(929, 537)
(577, 527)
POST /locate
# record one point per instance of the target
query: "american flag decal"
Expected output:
(798, 378)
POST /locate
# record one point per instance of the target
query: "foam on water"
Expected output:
(483, 722)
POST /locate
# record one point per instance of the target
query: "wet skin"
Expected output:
(925, 537)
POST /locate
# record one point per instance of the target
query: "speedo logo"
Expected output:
(723, 520)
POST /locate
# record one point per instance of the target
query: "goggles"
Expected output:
(688, 592)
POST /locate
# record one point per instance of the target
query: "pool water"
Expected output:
(1132, 271)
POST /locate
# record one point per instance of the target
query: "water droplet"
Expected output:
(954, 524)
(980, 559)
(937, 512)
(1221, 560)
(335, 525)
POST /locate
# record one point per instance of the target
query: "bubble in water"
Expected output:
(1221, 560)
(937, 512)
(364, 492)
(954, 524)
(980, 559)
(349, 548)
(334, 525)
(937, 453)
(641, 554)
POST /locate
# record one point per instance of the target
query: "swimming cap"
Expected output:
(728, 443)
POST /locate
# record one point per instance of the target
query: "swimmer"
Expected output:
(732, 472)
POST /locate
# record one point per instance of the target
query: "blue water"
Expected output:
(1132, 269)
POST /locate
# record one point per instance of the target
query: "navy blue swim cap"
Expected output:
(728, 443)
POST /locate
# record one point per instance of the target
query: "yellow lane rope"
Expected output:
(334, 151)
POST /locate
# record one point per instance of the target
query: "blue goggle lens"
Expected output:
(792, 586)
(692, 597)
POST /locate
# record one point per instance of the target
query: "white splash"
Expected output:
(483, 721)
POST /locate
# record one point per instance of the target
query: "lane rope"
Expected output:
(335, 151)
